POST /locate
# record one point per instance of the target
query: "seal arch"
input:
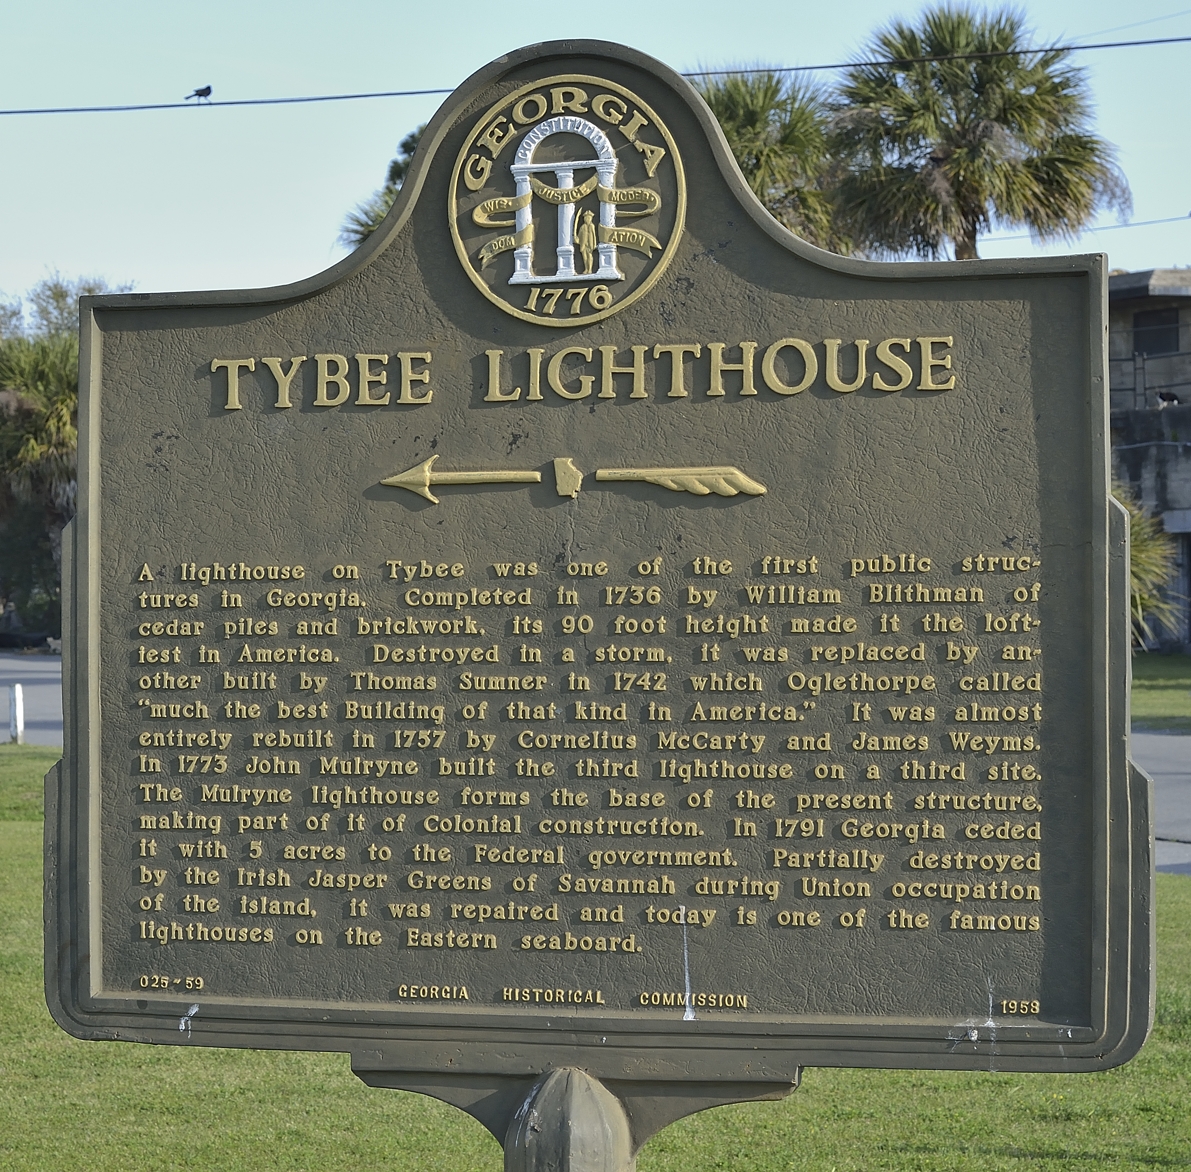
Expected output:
(523, 167)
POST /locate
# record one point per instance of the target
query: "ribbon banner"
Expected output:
(559, 195)
(505, 244)
(633, 238)
(620, 197)
(511, 203)
(483, 219)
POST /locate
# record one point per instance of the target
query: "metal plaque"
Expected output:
(589, 627)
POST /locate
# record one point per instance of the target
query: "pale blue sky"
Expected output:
(241, 197)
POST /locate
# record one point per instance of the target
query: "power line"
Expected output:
(1102, 228)
(229, 102)
(1120, 28)
(901, 61)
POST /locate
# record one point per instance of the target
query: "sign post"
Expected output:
(590, 654)
(16, 714)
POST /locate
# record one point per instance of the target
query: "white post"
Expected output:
(16, 714)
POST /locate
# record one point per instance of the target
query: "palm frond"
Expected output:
(366, 217)
(40, 428)
(1152, 559)
(776, 130)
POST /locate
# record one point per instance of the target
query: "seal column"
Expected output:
(565, 250)
(523, 226)
(606, 169)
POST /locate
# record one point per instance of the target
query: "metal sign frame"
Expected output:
(462, 1054)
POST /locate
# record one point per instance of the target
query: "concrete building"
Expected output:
(1149, 350)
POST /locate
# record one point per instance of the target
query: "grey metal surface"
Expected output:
(569, 1123)
(1166, 757)
(178, 467)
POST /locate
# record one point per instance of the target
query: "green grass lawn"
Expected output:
(1162, 693)
(22, 787)
(119, 1107)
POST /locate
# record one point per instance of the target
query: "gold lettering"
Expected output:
(769, 366)
(831, 366)
(476, 171)
(900, 365)
(326, 377)
(497, 134)
(535, 372)
(929, 362)
(333, 382)
(718, 366)
(554, 373)
(653, 155)
(233, 367)
(677, 389)
(367, 378)
(284, 378)
(608, 368)
(568, 97)
(540, 108)
(599, 107)
(495, 395)
(409, 376)
(633, 125)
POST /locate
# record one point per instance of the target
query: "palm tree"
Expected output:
(39, 426)
(1152, 558)
(936, 152)
(776, 130)
(365, 218)
(38, 437)
(39, 360)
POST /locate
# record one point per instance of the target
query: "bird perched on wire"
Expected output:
(204, 92)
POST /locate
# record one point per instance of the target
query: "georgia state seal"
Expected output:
(567, 201)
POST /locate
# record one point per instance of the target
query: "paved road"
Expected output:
(1165, 757)
(41, 680)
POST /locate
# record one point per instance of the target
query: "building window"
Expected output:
(1156, 331)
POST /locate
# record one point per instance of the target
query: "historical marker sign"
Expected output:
(589, 627)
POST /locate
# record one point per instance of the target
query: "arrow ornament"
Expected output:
(721, 479)
(420, 477)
